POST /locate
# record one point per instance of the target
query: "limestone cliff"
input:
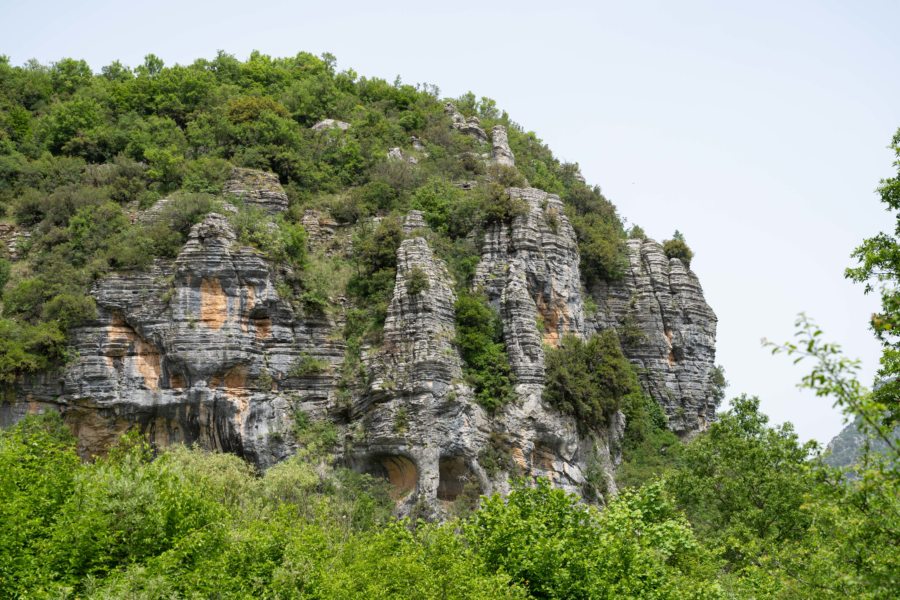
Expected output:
(667, 330)
(204, 349)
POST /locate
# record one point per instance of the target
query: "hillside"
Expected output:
(206, 252)
(269, 329)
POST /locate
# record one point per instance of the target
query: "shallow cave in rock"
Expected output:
(399, 470)
(454, 474)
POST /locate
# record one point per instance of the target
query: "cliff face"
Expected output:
(203, 349)
(667, 330)
(196, 350)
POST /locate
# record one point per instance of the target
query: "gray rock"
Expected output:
(414, 220)
(196, 351)
(470, 126)
(530, 270)
(257, 188)
(330, 124)
(204, 350)
(500, 151)
(398, 154)
(667, 330)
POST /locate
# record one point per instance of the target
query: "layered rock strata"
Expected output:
(257, 188)
(667, 330)
(205, 349)
(500, 151)
(202, 350)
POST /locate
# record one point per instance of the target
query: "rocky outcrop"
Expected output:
(12, 240)
(414, 220)
(199, 350)
(470, 126)
(257, 188)
(210, 349)
(397, 154)
(530, 273)
(500, 151)
(326, 124)
(420, 427)
(319, 226)
(667, 330)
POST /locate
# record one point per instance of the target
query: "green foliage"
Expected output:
(649, 449)
(742, 484)
(600, 234)
(170, 228)
(418, 281)
(590, 380)
(306, 366)
(38, 466)
(5, 269)
(26, 348)
(375, 261)
(678, 248)
(497, 457)
(479, 337)
(555, 547)
(878, 266)
(188, 522)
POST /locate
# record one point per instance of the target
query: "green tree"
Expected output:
(678, 248)
(590, 379)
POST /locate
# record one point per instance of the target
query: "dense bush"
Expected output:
(678, 248)
(590, 379)
(555, 547)
(479, 337)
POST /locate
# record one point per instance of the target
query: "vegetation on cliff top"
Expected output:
(82, 152)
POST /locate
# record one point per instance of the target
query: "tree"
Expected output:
(678, 248)
(878, 267)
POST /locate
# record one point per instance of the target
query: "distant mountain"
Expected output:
(846, 448)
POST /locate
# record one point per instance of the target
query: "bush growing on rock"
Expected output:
(590, 379)
(479, 336)
(678, 248)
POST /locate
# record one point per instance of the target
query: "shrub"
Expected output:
(479, 336)
(678, 248)
(5, 269)
(306, 365)
(69, 310)
(169, 231)
(26, 348)
(206, 174)
(418, 281)
(590, 380)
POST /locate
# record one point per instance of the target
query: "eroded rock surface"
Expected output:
(204, 349)
(330, 124)
(201, 350)
(470, 126)
(500, 151)
(667, 330)
(530, 272)
(257, 188)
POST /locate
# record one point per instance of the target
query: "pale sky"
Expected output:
(760, 130)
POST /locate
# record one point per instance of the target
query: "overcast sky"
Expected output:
(760, 131)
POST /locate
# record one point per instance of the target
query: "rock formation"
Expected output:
(470, 126)
(257, 188)
(398, 154)
(667, 330)
(325, 124)
(205, 349)
(201, 350)
(500, 151)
